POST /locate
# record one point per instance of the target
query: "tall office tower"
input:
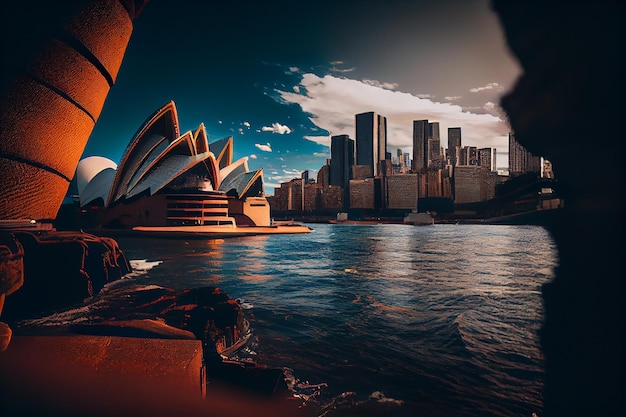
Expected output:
(371, 140)
(341, 160)
(494, 162)
(469, 156)
(406, 160)
(434, 145)
(520, 160)
(454, 143)
(400, 159)
(420, 145)
(434, 154)
(484, 158)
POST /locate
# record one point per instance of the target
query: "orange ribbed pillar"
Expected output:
(51, 107)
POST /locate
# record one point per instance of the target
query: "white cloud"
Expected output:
(425, 95)
(253, 156)
(322, 140)
(247, 124)
(296, 88)
(264, 148)
(292, 172)
(294, 69)
(490, 86)
(240, 130)
(387, 86)
(453, 98)
(341, 70)
(276, 128)
(332, 103)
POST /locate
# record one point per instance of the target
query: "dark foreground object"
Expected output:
(565, 49)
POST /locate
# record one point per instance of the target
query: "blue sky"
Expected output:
(282, 78)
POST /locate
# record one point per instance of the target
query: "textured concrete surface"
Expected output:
(98, 375)
(50, 105)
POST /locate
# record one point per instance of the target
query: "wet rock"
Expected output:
(61, 269)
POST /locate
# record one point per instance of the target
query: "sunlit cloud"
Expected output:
(424, 95)
(322, 140)
(294, 69)
(247, 124)
(453, 98)
(292, 172)
(387, 86)
(277, 128)
(264, 148)
(253, 156)
(490, 86)
(332, 103)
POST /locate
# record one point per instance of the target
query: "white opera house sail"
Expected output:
(166, 178)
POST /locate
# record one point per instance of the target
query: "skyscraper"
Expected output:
(420, 145)
(484, 158)
(341, 160)
(371, 140)
(434, 145)
(520, 160)
(454, 142)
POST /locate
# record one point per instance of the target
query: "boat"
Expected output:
(419, 219)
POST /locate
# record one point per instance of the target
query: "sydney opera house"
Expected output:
(169, 179)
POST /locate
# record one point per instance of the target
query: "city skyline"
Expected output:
(282, 83)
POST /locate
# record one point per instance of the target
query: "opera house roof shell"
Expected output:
(158, 157)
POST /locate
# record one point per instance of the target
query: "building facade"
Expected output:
(473, 183)
(341, 160)
(520, 160)
(362, 194)
(371, 140)
(420, 145)
(454, 144)
(401, 191)
(484, 158)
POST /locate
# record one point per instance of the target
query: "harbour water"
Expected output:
(383, 319)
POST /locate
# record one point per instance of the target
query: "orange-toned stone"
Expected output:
(104, 27)
(64, 68)
(28, 192)
(5, 334)
(100, 375)
(39, 125)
